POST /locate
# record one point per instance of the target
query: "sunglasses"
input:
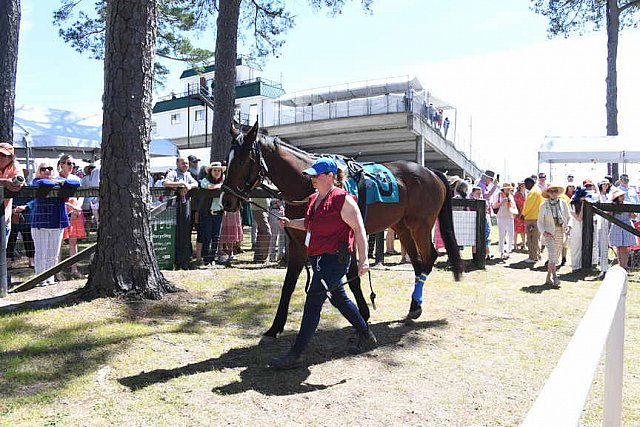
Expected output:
(552, 191)
(5, 155)
(588, 186)
(68, 163)
(48, 168)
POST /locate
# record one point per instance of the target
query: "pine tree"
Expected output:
(124, 262)
(569, 16)
(9, 31)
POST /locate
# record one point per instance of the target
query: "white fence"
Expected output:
(564, 395)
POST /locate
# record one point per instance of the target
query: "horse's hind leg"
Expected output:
(356, 288)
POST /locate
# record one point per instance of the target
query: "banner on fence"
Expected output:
(464, 226)
(163, 229)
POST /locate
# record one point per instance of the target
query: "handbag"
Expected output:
(513, 210)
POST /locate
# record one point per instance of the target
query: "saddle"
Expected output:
(369, 182)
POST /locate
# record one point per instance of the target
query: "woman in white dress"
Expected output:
(506, 206)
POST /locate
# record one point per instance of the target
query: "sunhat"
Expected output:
(453, 179)
(215, 165)
(545, 192)
(506, 186)
(617, 193)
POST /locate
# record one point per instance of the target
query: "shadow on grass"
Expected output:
(49, 360)
(257, 376)
(246, 303)
(66, 300)
(538, 289)
(50, 356)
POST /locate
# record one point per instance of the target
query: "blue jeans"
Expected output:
(328, 268)
(209, 235)
(487, 231)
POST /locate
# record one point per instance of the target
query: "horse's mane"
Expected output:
(277, 143)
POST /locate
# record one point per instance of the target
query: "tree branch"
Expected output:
(265, 10)
(629, 5)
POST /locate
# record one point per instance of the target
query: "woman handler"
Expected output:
(333, 224)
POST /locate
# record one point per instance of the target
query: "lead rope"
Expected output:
(246, 199)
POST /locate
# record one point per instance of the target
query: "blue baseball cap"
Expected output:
(322, 165)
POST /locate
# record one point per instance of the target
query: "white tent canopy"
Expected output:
(590, 149)
(47, 132)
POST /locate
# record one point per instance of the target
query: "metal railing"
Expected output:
(562, 400)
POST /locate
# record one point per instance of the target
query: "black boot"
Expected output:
(564, 261)
(290, 360)
(415, 310)
(365, 343)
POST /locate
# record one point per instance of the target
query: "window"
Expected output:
(253, 112)
(199, 115)
(175, 118)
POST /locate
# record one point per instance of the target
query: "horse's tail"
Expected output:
(446, 230)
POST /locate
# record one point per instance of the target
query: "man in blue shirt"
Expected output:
(631, 195)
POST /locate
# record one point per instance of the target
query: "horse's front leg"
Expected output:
(297, 257)
(356, 289)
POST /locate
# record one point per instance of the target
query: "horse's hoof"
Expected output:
(266, 339)
(415, 310)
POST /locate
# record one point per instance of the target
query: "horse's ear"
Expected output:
(253, 132)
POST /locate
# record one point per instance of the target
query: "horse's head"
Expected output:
(245, 169)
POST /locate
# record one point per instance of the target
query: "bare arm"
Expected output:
(351, 215)
(298, 224)
(173, 184)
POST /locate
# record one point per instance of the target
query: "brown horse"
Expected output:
(424, 196)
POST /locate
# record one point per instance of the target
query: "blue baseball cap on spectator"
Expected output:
(322, 165)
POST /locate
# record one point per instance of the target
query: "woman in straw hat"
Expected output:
(506, 206)
(618, 237)
(210, 214)
(553, 219)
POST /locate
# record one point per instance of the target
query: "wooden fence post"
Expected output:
(587, 236)
(481, 228)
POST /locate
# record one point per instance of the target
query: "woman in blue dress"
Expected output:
(619, 238)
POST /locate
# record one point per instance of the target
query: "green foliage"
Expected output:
(265, 24)
(176, 19)
(581, 16)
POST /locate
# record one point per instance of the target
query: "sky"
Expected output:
(491, 59)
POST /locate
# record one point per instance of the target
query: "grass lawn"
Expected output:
(479, 354)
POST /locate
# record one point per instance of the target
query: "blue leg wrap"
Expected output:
(417, 290)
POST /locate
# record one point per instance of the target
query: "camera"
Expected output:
(18, 180)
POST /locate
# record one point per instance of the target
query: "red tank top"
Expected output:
(326, 225)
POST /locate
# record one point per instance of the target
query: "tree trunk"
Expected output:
(225, 77)
(613, 28)
(124, 262)
(9, 31)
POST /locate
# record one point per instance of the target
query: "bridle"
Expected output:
(255, 156)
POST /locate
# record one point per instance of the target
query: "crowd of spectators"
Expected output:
(533, 210)
(529, 214)
(435, 118)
